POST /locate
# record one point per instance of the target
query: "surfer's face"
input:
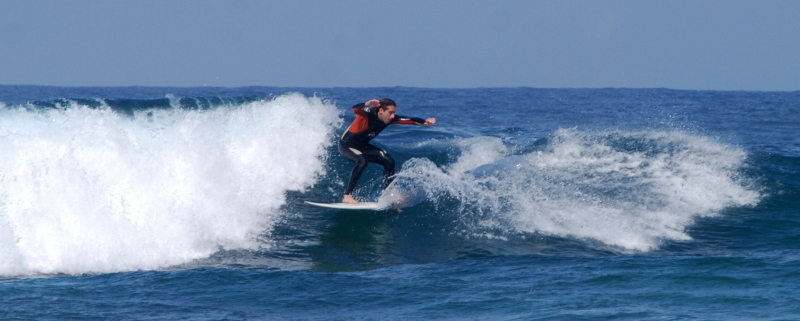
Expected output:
(387, 114)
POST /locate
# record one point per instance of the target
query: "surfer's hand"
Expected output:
(430, 121)
(372, 103)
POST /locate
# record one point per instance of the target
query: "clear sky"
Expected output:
(717, 45)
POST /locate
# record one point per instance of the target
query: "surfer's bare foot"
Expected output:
(349, 199)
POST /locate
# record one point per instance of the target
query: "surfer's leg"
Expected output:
(388, 170)
(380, 156)
(356, 156)
(355, 175)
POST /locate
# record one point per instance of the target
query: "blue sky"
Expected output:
(716, 45)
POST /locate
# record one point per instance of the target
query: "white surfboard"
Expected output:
(372, 206)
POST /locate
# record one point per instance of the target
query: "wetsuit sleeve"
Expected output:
(360, 109)
(403, 120)
(361, 122)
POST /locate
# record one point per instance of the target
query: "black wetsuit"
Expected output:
(354, 144)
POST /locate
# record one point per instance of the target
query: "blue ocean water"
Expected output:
(520, 203)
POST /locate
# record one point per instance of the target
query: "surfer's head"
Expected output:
(387, 111)
(387, 102)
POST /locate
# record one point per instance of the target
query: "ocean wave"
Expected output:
(85, 188)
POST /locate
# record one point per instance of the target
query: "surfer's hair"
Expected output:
(386, 102)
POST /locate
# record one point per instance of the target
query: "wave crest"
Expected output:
(87, 189)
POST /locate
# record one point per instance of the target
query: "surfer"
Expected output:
(372, 117)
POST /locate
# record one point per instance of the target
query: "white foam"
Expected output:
(477, 151)
(89, 190)
(631, 190)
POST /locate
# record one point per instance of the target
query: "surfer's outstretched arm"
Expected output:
(403, 120)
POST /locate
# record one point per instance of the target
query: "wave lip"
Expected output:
(87, 189)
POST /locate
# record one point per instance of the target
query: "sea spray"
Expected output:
(86, 189)
(628, 190)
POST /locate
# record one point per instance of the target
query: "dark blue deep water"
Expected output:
(143, 203)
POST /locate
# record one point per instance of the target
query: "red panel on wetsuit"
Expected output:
(361, 123)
